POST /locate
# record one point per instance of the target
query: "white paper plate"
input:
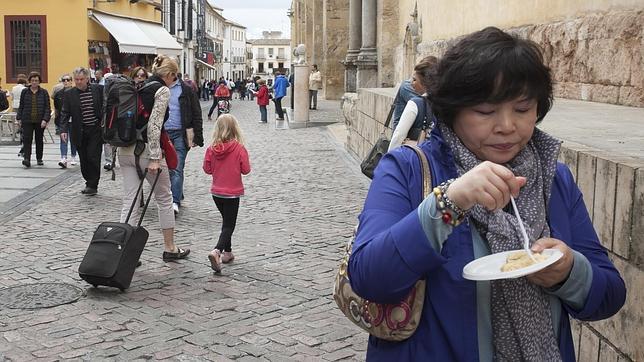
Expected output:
(489, 267)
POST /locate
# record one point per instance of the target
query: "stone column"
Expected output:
(367, 63)
(355, 41)
(301, 97)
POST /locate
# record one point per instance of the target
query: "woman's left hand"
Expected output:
(554, 273)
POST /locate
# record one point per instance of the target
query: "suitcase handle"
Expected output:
(139, 191)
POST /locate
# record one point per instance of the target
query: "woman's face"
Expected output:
(415, 83)
(169, 79)
(67, 81)
(140, 76)
(497, 132)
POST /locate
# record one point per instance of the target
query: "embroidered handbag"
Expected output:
(368, 165)
(392, 322)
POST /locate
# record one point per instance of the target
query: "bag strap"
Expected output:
(391, 112)
(427, 173)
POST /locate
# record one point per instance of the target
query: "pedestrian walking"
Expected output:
(315, 83)
(250, 89)
(205, 90)
(262, 100)
(222, 93)
(57, 94)
(80, 123)
(226, 160)
(184, 127)
(279, 88)
(155, 98)
(33, 115)
(16, 91)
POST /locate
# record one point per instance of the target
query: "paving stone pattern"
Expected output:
(272, 303)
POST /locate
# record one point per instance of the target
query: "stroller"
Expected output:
(223, 106)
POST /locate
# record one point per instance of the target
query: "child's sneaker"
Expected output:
(227, 257)
(215, 260)
(63, 163)
(74, 162)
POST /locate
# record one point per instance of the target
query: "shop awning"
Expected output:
(137, 36)
(205, 64)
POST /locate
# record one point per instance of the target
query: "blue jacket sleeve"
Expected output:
(607, 293)
(391, 251)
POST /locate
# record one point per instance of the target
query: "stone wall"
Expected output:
(613, 188)
(597, 57)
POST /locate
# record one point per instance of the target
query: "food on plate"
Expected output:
(521, 259)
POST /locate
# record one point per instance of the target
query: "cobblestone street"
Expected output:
(272, 303)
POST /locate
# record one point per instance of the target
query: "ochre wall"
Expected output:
(66, 35)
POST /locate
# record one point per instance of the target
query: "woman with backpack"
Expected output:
(155, 97)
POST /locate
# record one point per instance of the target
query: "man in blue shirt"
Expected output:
(281, 83)
(184, 127)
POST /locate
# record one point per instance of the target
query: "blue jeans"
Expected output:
(176, 176)
(263, 113)
(63, 149)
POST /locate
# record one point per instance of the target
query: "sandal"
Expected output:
(179, 254)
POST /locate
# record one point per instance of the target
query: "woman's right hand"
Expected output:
(154, 165)
(488, 184)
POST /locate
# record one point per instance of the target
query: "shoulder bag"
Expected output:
(368, 165)
(392, 322)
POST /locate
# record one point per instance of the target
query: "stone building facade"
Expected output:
(323, 27)
(596, 53)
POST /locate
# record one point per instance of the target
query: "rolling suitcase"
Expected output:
(115, 249)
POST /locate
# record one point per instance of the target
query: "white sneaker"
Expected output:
(74, 162)
(63, 163)
(175, 207)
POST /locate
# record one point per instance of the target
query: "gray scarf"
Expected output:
(521, 321)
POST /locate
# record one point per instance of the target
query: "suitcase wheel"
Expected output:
(95, 286)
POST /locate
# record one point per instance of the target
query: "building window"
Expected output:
(270, 52)
(270, 65)
(280, 53)
(280, 65)
(260, 68)
(26, 42)
(260, 53)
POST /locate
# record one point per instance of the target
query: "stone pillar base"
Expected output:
(367, 74)
(301, 97)
(350, 72)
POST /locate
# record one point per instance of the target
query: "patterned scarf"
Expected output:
(521, 319)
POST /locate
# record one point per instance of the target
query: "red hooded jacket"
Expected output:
(262, 96)
(227, 162)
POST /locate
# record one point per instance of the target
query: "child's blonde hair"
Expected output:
(226, 129)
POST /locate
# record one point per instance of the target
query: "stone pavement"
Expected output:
(272, 303)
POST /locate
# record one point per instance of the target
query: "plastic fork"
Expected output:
(526, 241)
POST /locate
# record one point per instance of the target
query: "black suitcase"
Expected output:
(115, 249)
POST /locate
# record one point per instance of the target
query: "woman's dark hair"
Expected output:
(489, 66)
(426, 69)
(136, 70)
(34, 75)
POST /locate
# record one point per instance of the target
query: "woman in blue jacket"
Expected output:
(491, 90)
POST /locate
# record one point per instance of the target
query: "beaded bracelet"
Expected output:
(451, 213)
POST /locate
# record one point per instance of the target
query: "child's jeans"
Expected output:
(228, 209)
(263, 113)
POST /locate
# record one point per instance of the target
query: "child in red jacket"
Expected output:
(226, 160)
(262, 100)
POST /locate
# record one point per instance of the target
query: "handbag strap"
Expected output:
(391, 112)
(427, 173)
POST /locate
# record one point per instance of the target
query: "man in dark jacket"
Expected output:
(82, 109)
(33, 115)
(184, 126)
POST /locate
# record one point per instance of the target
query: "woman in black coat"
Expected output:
(33, 115)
